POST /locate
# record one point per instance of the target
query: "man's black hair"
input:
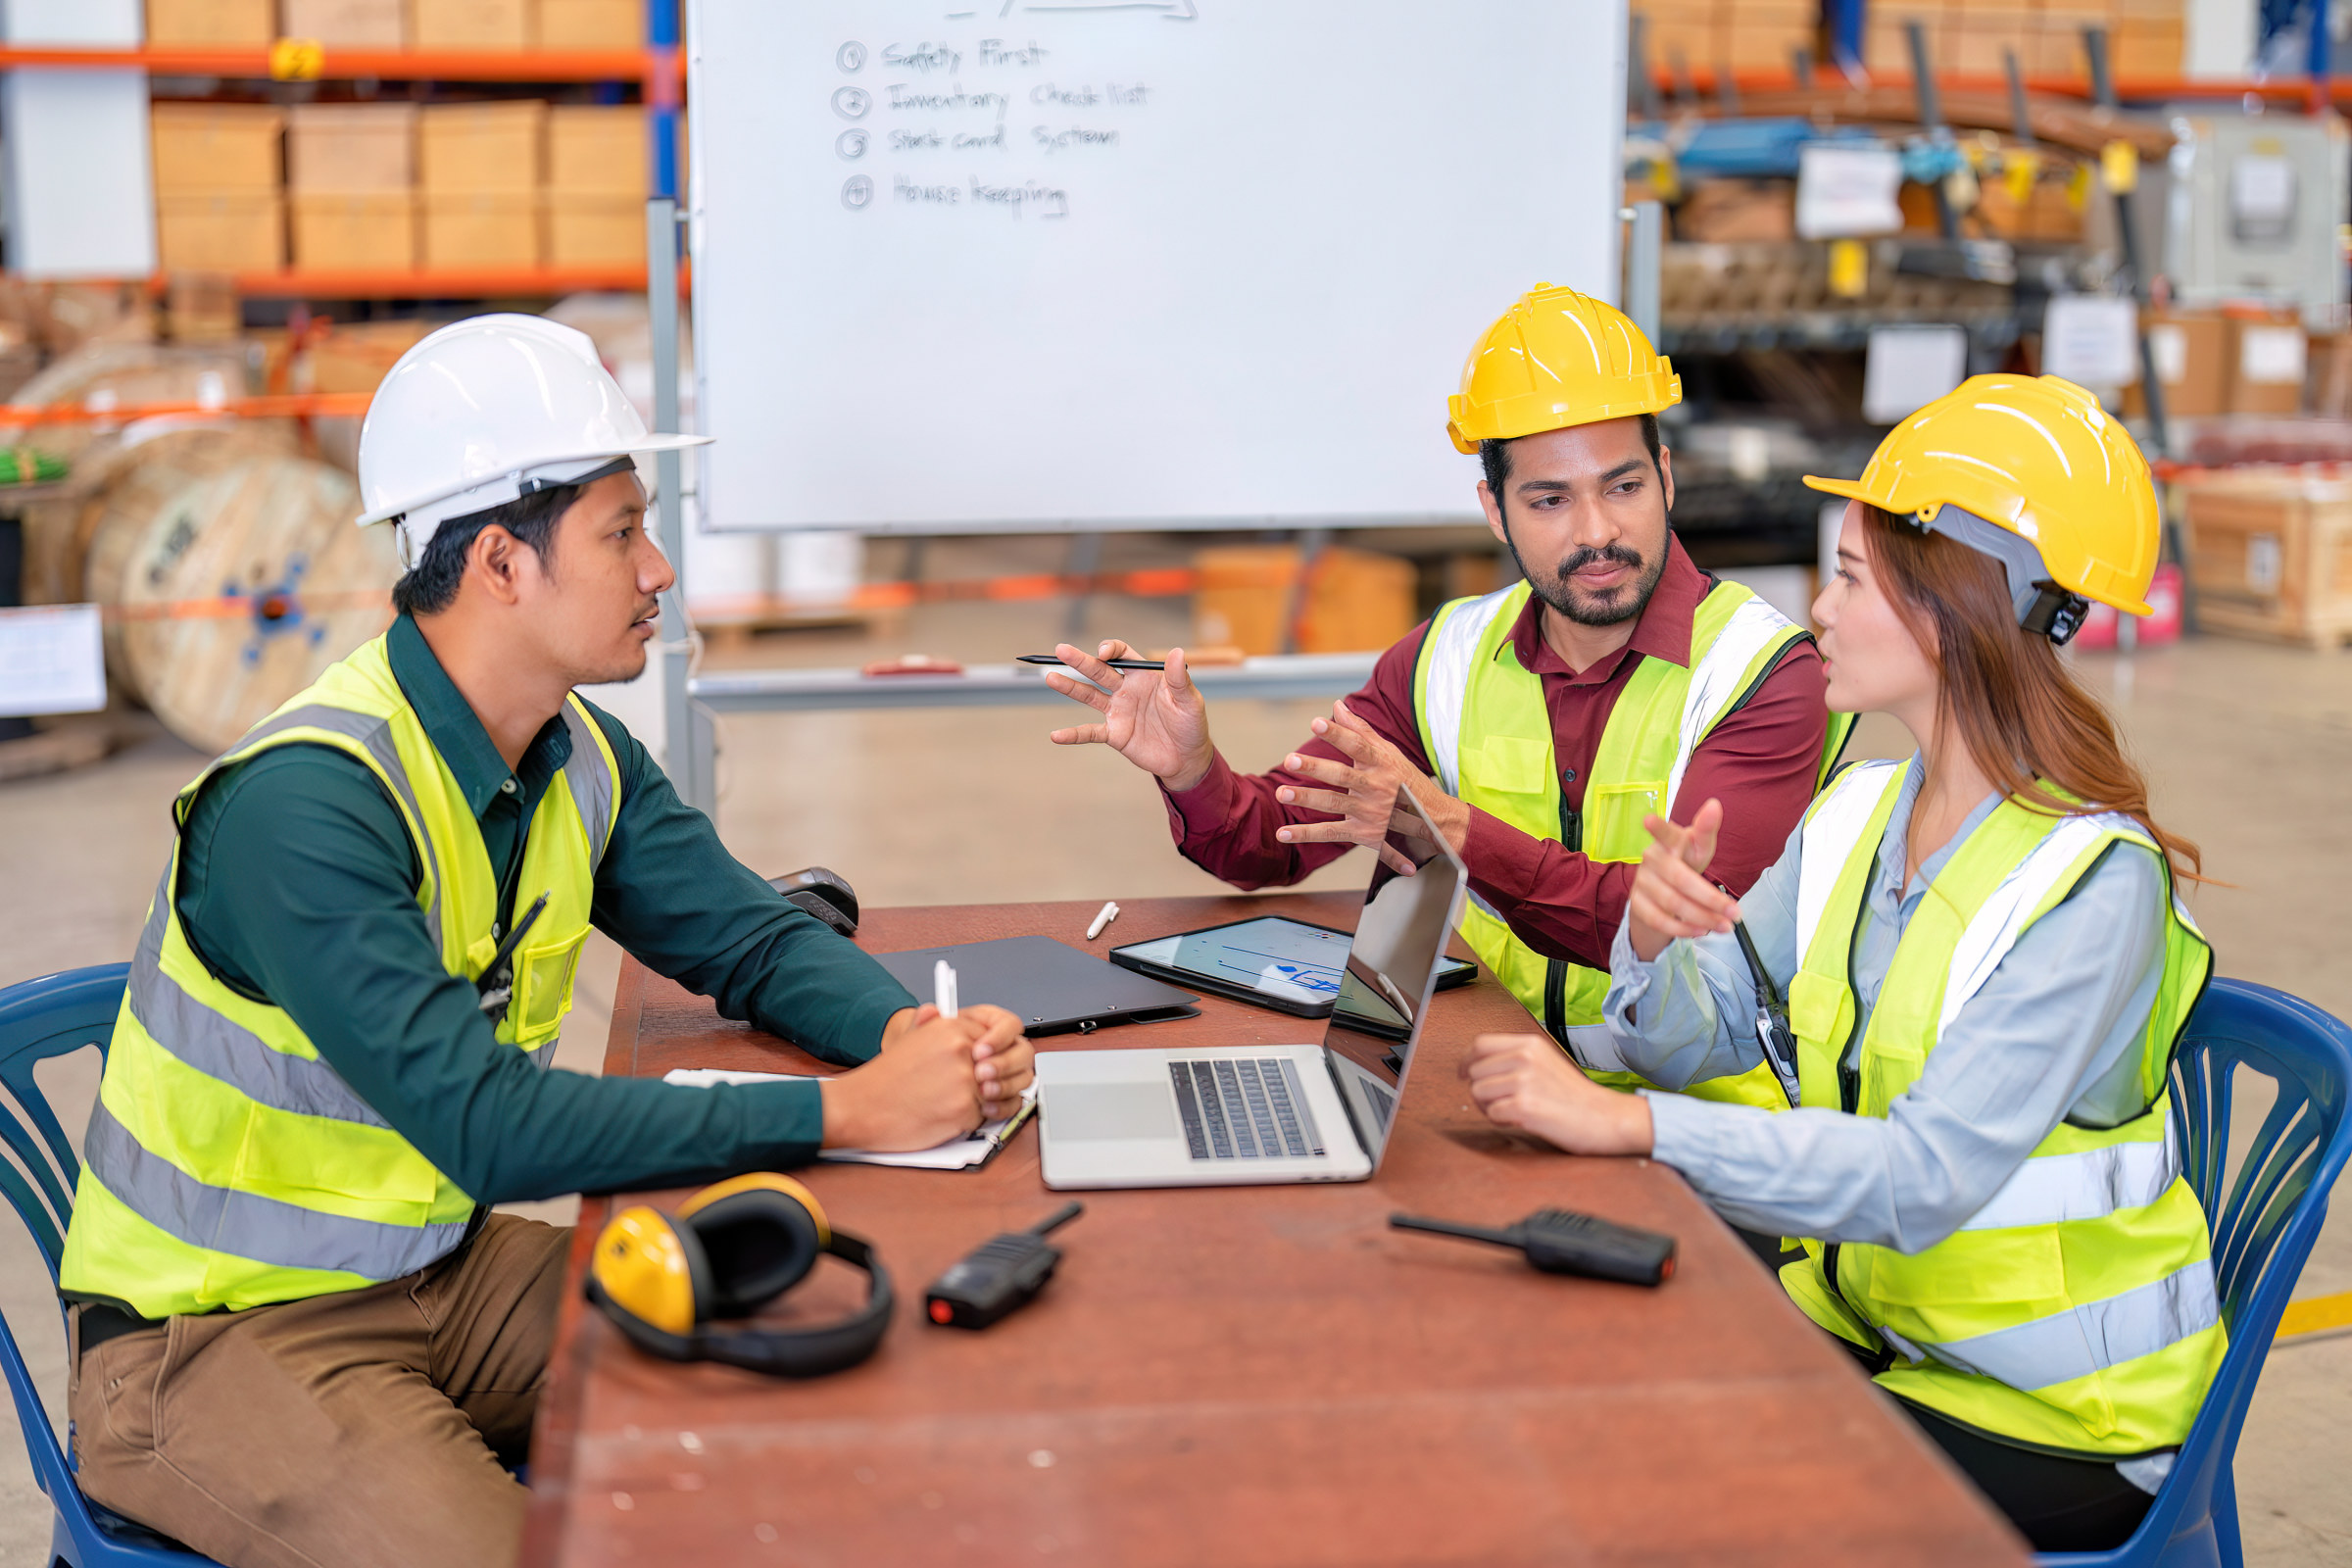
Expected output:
(1495, 457)
(431, 585)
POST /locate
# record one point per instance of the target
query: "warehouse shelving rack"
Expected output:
(658, 69)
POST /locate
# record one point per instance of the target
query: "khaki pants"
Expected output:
(361, 1428)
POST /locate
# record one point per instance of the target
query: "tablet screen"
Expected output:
(1270, 955)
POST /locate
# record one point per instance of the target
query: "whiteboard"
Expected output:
(1006, 265)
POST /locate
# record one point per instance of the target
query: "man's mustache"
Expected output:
(1585, 556)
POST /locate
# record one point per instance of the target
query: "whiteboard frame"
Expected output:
(696, 212)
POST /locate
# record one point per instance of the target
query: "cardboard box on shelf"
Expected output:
(213, 147)
(597, 150)
(374, 230)
(212, 22)
(203, 308)
(594, 230)
(591, 23)
(355, 357)
(2268, 356)
(219, 231)
(2047, 213)
(481, 228)
(470, 24)
(1722, 211)
(2191, 351)
(348, 23)
(2270, 553)
(482, 149)
(2139, 49)
(350, 148)
(1353, 599)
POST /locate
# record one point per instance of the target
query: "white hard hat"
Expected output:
(485, 410)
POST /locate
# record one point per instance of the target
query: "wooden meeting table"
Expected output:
(1241, 1376)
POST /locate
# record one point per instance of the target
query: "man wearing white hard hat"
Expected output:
(300, 1335)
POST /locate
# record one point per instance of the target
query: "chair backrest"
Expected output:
(2264, 1216)
(52, 1016)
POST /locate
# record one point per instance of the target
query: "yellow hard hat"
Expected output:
(1556, 359)
(2037, 457)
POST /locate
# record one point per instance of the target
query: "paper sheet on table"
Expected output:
(956, 1153)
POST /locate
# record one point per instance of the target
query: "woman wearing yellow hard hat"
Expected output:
(1986, 969)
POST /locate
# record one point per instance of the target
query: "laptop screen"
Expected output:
(1392, 969)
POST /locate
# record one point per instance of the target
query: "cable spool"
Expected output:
(230, 574)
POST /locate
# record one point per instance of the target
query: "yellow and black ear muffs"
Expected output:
(730, 1250)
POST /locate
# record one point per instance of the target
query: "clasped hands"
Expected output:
(935, 1078)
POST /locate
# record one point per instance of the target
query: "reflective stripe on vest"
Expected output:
(228, 1165)
(2076, 1308)
(1488, 735)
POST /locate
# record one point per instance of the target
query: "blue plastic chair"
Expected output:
(2263, 1223)
(55, 1016)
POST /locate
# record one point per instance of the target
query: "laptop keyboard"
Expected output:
(1244, 1109)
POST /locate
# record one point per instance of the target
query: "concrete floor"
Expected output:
(2249, 747)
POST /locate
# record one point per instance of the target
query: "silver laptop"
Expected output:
(1255, 1114)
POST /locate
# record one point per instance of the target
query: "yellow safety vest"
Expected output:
(226, 1164)
(2075, 1310)
(1487, 734)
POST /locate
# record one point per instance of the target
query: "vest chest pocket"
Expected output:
(543, 976)
(1821, 1014)
(1613, 814)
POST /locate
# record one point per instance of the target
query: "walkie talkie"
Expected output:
(1772, 1019)
(1559, 1241)
(999, 1277)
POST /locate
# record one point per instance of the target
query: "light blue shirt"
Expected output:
(2054, 1033)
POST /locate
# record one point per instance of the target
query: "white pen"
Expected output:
(943, 988)
(1111, 913)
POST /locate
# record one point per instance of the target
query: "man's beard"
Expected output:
(1609, 609)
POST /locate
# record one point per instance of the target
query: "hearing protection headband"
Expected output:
(2043, 608)
(730, 1250)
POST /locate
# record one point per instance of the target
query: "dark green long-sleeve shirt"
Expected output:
(298, 887)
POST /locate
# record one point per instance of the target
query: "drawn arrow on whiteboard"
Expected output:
(1171, 10)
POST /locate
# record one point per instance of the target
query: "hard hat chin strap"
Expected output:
(2043, 608)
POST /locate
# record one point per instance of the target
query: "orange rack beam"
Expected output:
(446, 282)
(309, 62)
(306, 405)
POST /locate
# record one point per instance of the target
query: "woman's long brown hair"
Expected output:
(2006, 694)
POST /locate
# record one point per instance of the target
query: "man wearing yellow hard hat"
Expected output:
(1986, 969)
(1541, 723)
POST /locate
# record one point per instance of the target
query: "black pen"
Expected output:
(1116, 663)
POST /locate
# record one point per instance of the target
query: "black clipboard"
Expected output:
(1053, 987)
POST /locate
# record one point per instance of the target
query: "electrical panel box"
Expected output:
(2257, 210)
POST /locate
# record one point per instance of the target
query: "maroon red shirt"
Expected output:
(1761, 762)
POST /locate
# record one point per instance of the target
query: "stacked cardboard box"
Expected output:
(212, 22)
(591, 23)
(470, 24)
(479, 168)
(348, 23)
(351, 169)
(596, 186)
(1741, 34)
(1970, 38)
(2242, 358)
(2271, 550)
(218, 205)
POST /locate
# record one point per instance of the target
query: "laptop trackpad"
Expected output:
(1089, 1113)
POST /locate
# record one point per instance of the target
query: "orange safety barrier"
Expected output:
(1163, 582)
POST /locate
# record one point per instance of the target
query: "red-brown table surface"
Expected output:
(1242, 1376)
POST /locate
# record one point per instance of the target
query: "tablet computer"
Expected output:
(1274, 961)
